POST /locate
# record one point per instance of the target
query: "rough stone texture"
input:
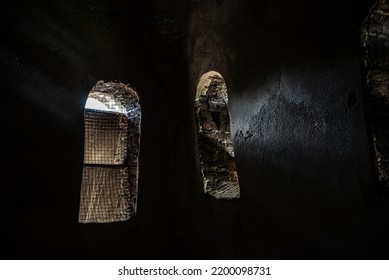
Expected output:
(217, 159)
(110, 176)
(375, 42)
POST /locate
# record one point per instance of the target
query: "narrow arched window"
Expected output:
(111, 149)
(216, 152)
(375, 42)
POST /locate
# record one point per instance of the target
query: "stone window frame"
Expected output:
(109, 187)
(214, 141)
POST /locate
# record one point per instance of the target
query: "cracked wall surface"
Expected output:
(216, 151)
(375, 43)
(110, 173)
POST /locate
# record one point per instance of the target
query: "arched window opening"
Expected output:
(375, 42)
(216, 152)
(109, 186)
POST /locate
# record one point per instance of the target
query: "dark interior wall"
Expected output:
(52, 54)
(294, 81)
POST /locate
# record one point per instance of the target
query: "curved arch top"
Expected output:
(216, 152)
(205, 81)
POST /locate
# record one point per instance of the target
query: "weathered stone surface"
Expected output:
(375, 42)
(111, 151)
(217, 159)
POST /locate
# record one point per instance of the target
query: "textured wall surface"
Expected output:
(293, 73)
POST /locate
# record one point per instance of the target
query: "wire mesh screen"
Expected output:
(105, 137)
(105, 196)
(112, 139)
